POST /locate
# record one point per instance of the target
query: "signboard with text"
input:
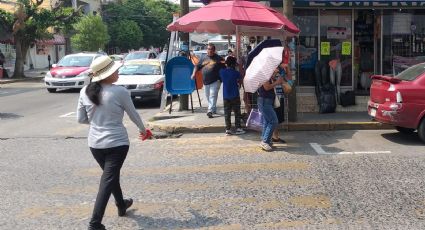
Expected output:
(376, 4)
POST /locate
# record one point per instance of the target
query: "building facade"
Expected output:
(363, 37)
(37, 56)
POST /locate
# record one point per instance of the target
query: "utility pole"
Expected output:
(292, 98)
(184, 38)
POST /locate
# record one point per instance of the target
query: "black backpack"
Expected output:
(348, 98)
(327, 100)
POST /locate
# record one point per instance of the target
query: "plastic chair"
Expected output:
(177, 78)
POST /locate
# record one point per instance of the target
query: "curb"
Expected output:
(291, 127)
(12, 80)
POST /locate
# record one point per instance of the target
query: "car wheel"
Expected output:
(404, 130)
(421, 130)
(51, 90)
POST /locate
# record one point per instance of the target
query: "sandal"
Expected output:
(280, 140)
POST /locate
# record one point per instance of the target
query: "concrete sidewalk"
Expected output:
(198, 122)
(30, 75)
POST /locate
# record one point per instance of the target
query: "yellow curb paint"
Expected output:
(311, 201)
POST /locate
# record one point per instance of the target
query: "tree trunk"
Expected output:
(21, 54)
(292, 99)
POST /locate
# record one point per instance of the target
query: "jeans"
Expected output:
(265, 105)
(335, 79)
(235, 106)
(211, 93)
(111, 161)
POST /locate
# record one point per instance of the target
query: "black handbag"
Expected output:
(348, 98)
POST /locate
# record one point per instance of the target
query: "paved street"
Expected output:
(319, 180)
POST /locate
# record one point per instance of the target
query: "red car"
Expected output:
(400, 100)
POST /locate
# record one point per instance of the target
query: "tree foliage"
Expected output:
(30, 22)
(152, 16)
(125, 34)
(91, 33)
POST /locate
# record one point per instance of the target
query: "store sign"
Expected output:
(335, 32)
(325, 48)
(346, 48)
(304, 3)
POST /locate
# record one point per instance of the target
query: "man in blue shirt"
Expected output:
(232, 102)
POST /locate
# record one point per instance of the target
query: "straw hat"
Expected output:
(103, 67)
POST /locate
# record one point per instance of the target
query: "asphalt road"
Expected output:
(318, 180)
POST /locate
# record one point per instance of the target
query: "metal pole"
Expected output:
(184, 99)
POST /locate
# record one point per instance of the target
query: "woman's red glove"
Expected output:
(146, 135)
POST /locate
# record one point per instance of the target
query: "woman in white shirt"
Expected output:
(101, 105)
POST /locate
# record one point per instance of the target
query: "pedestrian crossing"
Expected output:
(208, 181)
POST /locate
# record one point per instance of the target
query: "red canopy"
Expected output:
(223, 17)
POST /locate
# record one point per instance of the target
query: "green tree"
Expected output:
(152, 16)
(30, 23)
(125, 34)
(91, 33)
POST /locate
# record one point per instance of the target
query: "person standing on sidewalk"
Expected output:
(102, 105)
(281, 72)
(232, 101)
(265, 101)
(210, 66)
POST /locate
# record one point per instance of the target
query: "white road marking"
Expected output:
(364, 152)
(319, 150)
(11, 91)
(69, 115)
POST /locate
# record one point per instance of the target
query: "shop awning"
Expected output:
(57, 40)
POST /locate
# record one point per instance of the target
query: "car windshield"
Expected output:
(76, 61)
(412, 73)
(137, 55)
(140, 69)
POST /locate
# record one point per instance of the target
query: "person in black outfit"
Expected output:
(210, 65)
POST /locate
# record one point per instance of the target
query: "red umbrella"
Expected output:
(230, 17)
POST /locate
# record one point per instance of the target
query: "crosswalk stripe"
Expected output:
(225, 168)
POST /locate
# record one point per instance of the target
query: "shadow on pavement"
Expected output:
(197, 221)
(9, 116)
(411, 139)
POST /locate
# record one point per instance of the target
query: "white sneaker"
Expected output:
(228, 132)
(266, 147)
(239, 131)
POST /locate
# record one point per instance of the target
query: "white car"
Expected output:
(70, 72)
(143, 78)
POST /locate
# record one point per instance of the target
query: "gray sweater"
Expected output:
(106, 120)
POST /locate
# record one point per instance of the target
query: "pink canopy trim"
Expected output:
(223, 17)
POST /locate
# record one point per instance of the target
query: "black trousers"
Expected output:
(111, 161)
(235, 106)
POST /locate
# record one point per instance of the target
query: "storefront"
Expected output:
(359, 37)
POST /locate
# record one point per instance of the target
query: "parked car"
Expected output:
(400, 100)
(117, 57)
(143, 78)
(200, 53)
(140, 55)
(70, 72)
